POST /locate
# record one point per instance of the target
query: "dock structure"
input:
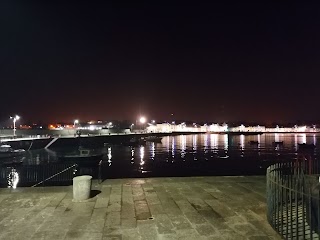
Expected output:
(149, 208)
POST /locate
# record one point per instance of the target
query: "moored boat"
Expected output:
(83, 155)
(6, 151)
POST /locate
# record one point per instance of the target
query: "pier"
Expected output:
(149, 208)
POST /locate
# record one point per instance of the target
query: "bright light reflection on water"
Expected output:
(13, 178)
(205, 143)
(182, 152)
(183, 147)
(172, 148)
(225, 141)
(142, 156)
(153, 147)
(242, 141)
(109, 156)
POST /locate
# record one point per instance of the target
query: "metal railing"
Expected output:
(68, 174)
(35, 175)
(293, 198)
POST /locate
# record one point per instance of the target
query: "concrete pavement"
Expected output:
(151, 208)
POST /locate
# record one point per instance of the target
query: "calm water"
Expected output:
(184, 155)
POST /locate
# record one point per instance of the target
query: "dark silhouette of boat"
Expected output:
(277, 143)
(305, 146)
(254, 142)
(6, 151)
(135, 141)
(84, 155)
(153, 139)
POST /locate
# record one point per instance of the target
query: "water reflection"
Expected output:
(225, 141)
(296, 142)
(109, 156)
(304, 138)
(153, 147)
(194, 142)
(142, 156)
(172, 148)
(242, 141)
(183, 142)
(132, 155)
(13, 178)
(214, 142)
(187, 151)
(205, 143)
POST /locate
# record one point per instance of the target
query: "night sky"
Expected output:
(251, 62)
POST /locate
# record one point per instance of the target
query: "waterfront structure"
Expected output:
(217, 128)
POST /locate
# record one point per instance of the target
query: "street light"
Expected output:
(143, 120)
(75, 122)
(14, 124)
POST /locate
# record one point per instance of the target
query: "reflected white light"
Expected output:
(276, 137)
(304, 138)
(194, 142)
(296, 141)
(109, 156)
(205, 142)
(132, 155)
(183, 141)
(13, 179)
(314, 139)
(225, 141)
(172, 148)
(168, 144)
(242, 141)
(153, 150)
(214, 141)
(142, 155)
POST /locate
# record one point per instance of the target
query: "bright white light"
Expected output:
(91, 128)
(143, 120)
(15, 118)
(153, 121)
(76, 121)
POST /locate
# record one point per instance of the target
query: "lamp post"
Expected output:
(14, 124)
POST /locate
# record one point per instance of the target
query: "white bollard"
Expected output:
(81, 188)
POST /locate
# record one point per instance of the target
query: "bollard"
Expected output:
(81, 188)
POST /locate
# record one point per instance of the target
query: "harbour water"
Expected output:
(182, 155)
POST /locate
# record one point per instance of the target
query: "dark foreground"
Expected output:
(152, 208)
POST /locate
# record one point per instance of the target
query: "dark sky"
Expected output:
(253, 62)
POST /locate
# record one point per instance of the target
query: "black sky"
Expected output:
(217, 62)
